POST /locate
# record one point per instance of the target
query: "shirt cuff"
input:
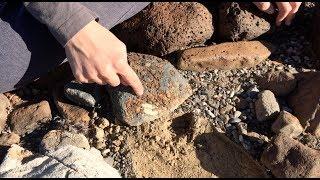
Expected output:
(73, 25)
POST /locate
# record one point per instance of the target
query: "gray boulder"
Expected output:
(165, 90)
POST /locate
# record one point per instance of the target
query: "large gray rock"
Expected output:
(82, 94)
(288, 158)
(66, 162)
(4, 107)
(242, 21)
(266, 106)
(57, 138)
(225, 56)
(165, 27)
(165, 90)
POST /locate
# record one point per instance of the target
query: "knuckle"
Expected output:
(79, 77)
(288, 9)
(264, 6)
(114, 83)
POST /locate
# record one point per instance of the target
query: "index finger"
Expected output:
(284, 10)
(131, 79)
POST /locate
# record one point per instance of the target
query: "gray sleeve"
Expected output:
(64, 19)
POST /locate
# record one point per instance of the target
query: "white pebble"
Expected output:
(237, 114)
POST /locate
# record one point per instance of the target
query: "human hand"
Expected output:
(97, 56)
(287, 10)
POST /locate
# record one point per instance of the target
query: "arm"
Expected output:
(64, 19)
(95, 55)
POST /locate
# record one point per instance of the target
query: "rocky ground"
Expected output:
(212, 107)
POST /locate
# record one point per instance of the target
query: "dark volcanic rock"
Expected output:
(165, 27)
(242, 21)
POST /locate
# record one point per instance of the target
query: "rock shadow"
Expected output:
(220, 156)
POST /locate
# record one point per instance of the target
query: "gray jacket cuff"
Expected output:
(73, 25)
(64, 19)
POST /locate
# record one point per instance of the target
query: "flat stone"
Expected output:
(66, 162)
(288, 158)
(28, 118)
(281, 83)
(288, 124)
(82, 94)
(165, 90)
(242, 21)
(304, 102)
(7, 139)
(56, 138)
(72, 113)
(165, 27)
(4, 107)
(266, 106)
(224, 56)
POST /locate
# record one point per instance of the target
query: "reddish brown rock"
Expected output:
(281, 83)
(26, 119)
(305, 102)
(315, 40)
(220, 155)
(165, 27)
(288, 158)
(288, 124)
(4, 108)
(72, 113)
(7, 139)
(225, 56)
(242, 21)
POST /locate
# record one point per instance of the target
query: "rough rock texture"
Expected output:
(187, 146)
(315, 35)
(242, 21)
(74, 114)
(288, 124)
(4, 106)
(226, 56)
(165, 90)
(82, 94)
(7, 139)
(266, 106)
(281, 83)
(14, 99)
(225, 158)
(27, 118)
(288, 158)
(58, 138)
(67, 161)
(165, 27)
(305, 103)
